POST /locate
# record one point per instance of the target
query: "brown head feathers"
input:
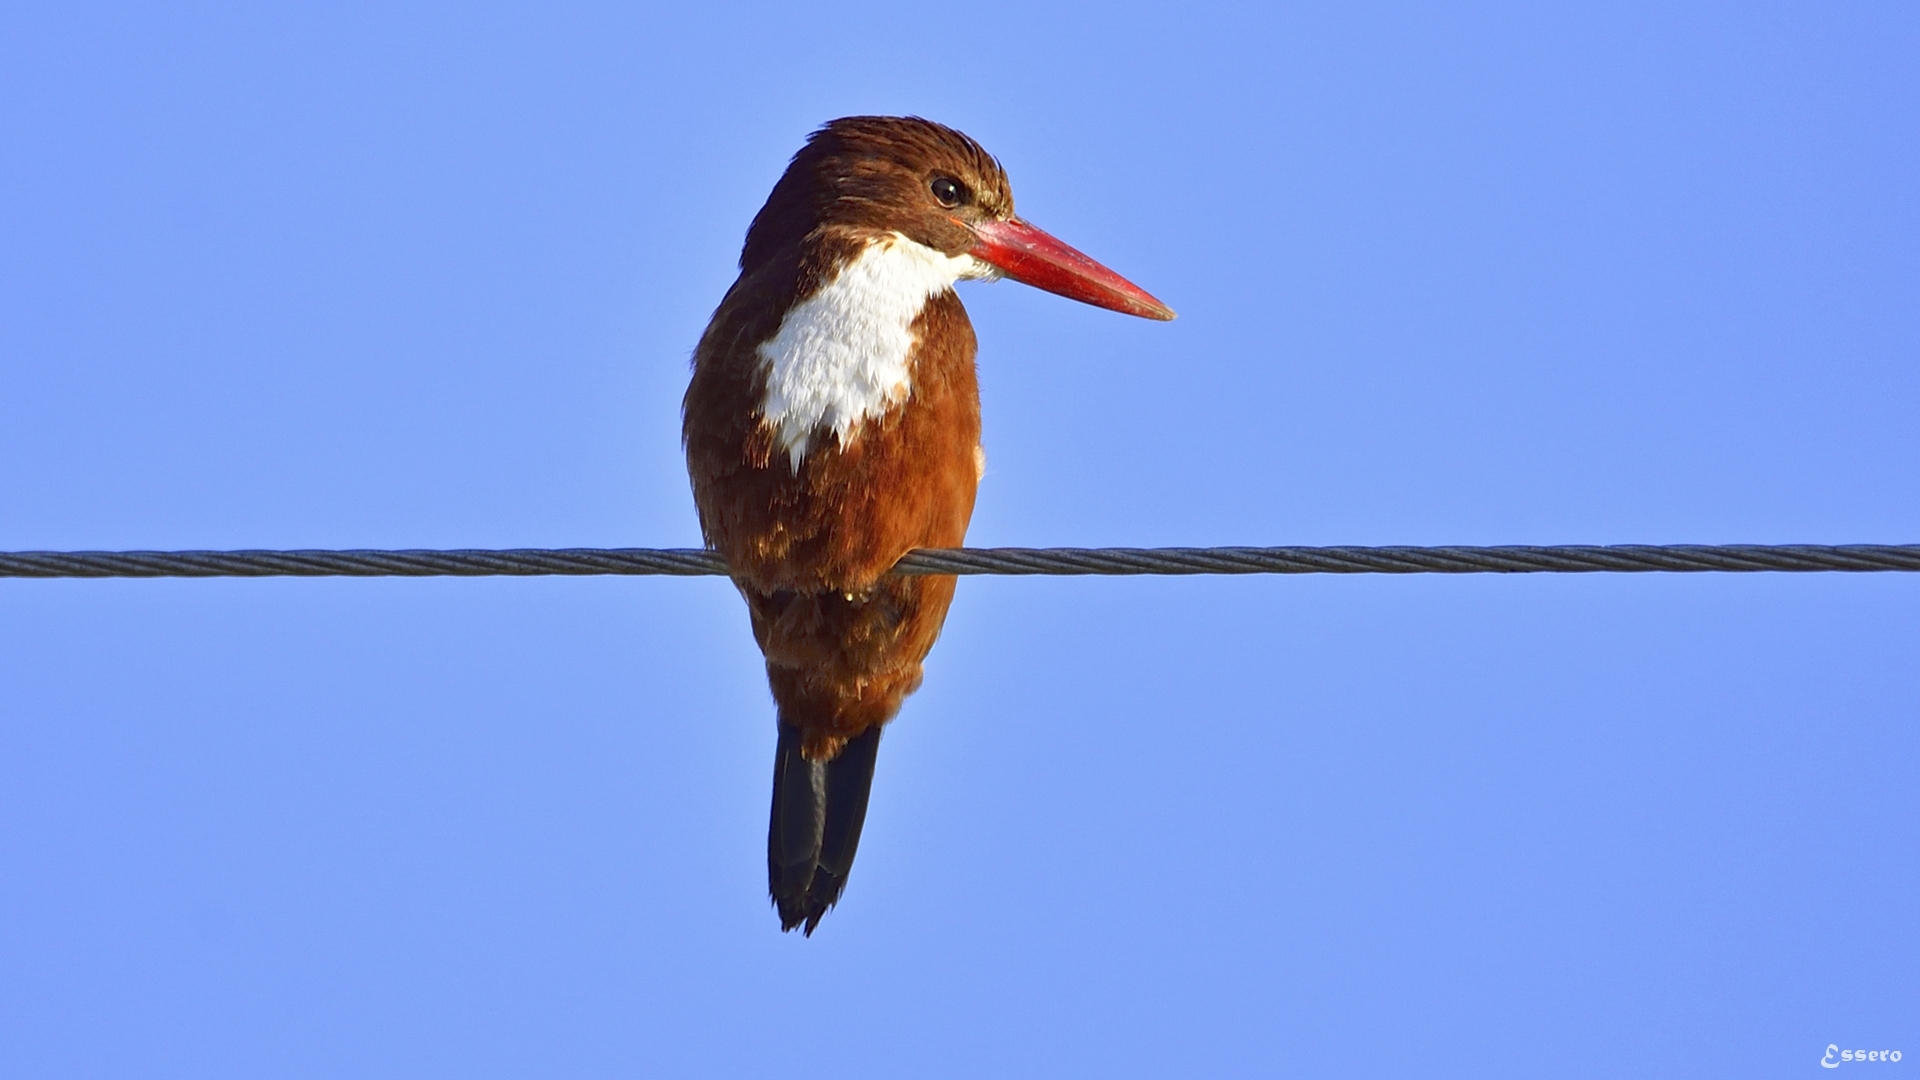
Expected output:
(875, 175)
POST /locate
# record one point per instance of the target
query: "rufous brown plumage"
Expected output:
(833, 425)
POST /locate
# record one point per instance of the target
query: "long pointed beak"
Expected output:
(1029, 255)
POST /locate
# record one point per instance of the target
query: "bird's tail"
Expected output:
(818, 808)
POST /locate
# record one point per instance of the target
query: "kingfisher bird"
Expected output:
(832, 425)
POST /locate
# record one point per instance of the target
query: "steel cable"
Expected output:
(691, 562)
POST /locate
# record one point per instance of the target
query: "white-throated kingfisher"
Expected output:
(833, 425)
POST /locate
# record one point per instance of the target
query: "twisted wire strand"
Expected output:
(696, 562)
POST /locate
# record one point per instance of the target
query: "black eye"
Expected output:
(948, 191)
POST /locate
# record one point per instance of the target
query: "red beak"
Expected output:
(1028, 255)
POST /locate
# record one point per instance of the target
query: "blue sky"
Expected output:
(397, 276)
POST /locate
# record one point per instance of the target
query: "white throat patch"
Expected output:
(840, 356)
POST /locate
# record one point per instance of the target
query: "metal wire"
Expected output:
(693, 562)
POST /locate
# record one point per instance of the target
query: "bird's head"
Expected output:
(867, 177)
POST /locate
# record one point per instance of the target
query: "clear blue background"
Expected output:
(429, 276)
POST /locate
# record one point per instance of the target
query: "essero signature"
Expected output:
(1835, 1056)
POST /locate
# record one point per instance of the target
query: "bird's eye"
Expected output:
(948, 191)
